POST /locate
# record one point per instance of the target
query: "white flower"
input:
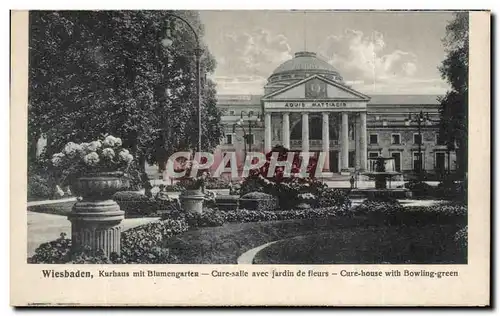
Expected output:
(57, 159)
(125, 156)
(84, 149)
(93, 146)
(118, 141)
(109, 141)
(91, 159)
(71, 149)
(108, 153)
(129, 158)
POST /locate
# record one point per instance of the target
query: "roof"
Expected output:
(305, 61)
(404, 99)
(243, 99)
(376, 99)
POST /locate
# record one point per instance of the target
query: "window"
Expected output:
(417, 162)
(396, 139)
(397, 161)
(440, 162)
(372, 164)
(352, 159)
(250, 113)
(229, 139)
(250, 139)
(373, 138)
(417, 139)
(439, 140)
(231, 112)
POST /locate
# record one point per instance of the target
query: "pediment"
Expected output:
(316, 88)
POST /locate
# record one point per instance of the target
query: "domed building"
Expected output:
(308, 107)
(302, 66)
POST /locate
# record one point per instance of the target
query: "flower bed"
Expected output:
(145, 244)
(243, 215)
(258, 201)
(137, 204)
(390, 211)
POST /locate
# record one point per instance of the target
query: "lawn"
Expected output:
(432, 243)
(224, 244)
(332, 240)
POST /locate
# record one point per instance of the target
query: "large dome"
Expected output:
(305, 62)
(303, 65)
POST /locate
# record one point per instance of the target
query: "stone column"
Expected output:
(267, 133)
(326, 141)
(305, 132)
(344, 143)
(286, 130)
(96, 224)
(363, 151)
(357, 137)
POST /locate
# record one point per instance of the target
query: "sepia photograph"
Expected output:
(264, 157)
(247, 137)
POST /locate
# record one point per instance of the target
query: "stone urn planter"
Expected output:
(192, 200)
(95, 220)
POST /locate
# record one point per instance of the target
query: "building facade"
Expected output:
(307, 107)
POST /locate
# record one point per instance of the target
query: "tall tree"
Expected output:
(98, 72)
(454, 105)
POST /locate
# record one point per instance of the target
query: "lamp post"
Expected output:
(420, 118)
(197, 54)
(247, 138)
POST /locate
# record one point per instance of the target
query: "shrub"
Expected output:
(217, 183)
(328, 197)
(59, 251)
(419, 188)
(235, 189)
(244, 215)
(137, 204)
(379, 209)
(143, 244)
(53, 252)
(444, 209)
(258, 201)
(174, 188)
(285, 188)
(129, 196)
(454, 190)
(38, 187)
(208, 218)
(461, 237)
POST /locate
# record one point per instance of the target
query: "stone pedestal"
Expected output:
(96, 224)
(95, 221)
(192, 201)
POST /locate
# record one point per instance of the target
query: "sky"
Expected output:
(375, 52)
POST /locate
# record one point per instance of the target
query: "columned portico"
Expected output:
(344, 143)
(267, 132)
(315, 113)
(326, 141)
(305, 132)
(286, 130)
(362, 141)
